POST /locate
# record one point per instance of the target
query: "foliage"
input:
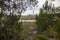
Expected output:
(42, 37)
(48, 22)
(10, 27)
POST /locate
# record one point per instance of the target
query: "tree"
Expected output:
(10, 27)
(47, 23)
(44, 19)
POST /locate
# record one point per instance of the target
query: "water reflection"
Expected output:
(27, 20)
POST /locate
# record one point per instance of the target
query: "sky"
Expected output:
(35, 10)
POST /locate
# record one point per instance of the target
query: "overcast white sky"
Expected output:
(40, 3)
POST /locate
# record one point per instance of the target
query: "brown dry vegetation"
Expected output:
(29, 17)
